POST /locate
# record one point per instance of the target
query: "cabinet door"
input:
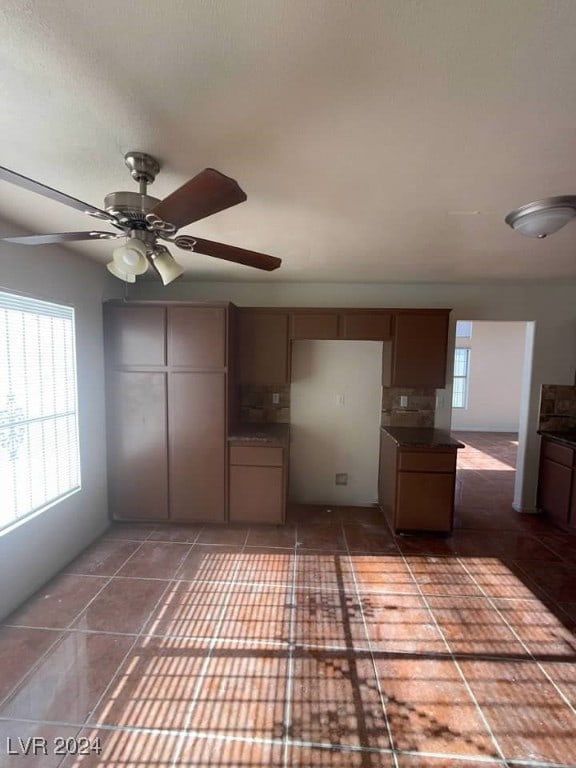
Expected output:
(135, 335)
(197, 446)
(137, 445)
(554, 490)
(424, 502)
(256, 494)
(197, 337)
(321, 325)
(419, 350)
(263, 348)
(366, 326)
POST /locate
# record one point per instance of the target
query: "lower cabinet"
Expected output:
(557, 483)
(257, 484)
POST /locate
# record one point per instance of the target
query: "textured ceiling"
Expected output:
(377, 140)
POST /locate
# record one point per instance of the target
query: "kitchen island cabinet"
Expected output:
(417, 478)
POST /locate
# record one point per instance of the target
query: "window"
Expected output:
(39, 454)
(463, 329)
(460, 386)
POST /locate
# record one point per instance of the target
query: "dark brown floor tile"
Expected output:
(198, 752)
(563, 675)
(329, 619)
(524, 547)
(431, 761)
(324, 570)
(187, 534)
(223, 534)
(442, 576)
(125, 749)
(272, 536)
(425, 545)
(335, 700)
(122, 606)
(20, 649)
(497, 578)
(472, 625)
(33, 745)
(383, 573)
(400, 624)
(103, 558)
(337, 757)
(363, 516)
(312, 514)
(155, 560)
(134, 531)
(210, 563)
(257, 613)
(242, 693)
(70, 679)
(189, 609)
(326, 537)
(59, 602)
(526, 714)
(154, 687)
(543, 633)
(558, 580)
(430, 710)
(369, 538)
(266, 565)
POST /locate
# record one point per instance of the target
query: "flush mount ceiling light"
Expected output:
(543, 217)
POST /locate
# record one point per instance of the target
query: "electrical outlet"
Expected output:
(341, 478)
(340, 399)
(403, 401)
(276, 398)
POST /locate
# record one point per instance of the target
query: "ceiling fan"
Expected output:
(144, 220)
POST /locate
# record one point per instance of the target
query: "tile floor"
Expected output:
(327, 642)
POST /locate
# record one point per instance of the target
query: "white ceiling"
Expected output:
(377, 140)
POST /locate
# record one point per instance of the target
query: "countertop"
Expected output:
(421, 437)
(260, 434)
(566, 437)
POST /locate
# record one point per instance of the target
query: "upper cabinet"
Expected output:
(197, 337)
(314, 325)
(419, 349)
(263, 352)
(366, 326)
(135, 335)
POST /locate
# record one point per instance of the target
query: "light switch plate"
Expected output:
(403, 401)
(275, 398)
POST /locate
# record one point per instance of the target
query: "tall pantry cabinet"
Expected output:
(167, 394)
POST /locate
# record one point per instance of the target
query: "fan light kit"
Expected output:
(144, 220)
(543, 217)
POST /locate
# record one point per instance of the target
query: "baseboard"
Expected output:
(526, 510)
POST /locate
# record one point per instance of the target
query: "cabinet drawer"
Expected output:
(427, 461)
(256, 456)
(559, 453)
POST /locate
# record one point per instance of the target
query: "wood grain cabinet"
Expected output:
(263, 347)
(167, 390)
(314, 325)
(419, 349)
(257, 484)
(557, 483)
(366, 326)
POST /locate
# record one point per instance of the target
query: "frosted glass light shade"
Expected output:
(165, 265)
(543, 217)
(130, 258)
(113, 268)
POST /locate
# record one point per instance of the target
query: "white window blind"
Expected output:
(460, 386)
(39, 453)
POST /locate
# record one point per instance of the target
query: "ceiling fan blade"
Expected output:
(59, 237)
(53, 194)
(207, 193)
(230, 253)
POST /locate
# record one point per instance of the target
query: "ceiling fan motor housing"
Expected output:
(130, 208)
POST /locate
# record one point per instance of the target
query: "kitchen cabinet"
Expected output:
(167, 410)
(314, 325)
(557, 482)
(366, 326)
(417, 478)
(257, 484)
(419, 349)
(263, 347)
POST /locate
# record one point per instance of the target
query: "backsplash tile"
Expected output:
(257, 407)
(418, 412)
(557, 407)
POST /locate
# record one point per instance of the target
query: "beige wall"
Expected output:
(494, 379)
(550, 305)
(31, 553)
(335, 416)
